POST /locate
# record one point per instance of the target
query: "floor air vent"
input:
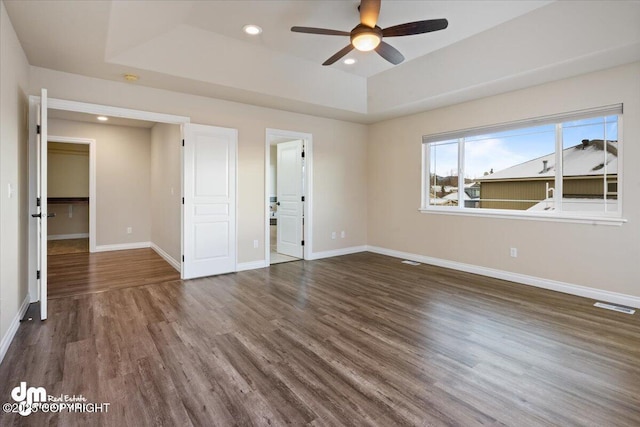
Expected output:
(406, 261)
(620, 308)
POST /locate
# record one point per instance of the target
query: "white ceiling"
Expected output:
(93, 118)
(199, 47)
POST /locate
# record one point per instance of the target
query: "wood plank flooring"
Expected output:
(81, 273)
(67, 246)
(354, 340)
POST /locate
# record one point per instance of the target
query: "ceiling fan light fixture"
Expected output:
(366, 41)
(366, 38)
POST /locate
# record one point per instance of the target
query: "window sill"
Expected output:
(529, 216)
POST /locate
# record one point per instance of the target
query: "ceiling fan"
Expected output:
(368, 36)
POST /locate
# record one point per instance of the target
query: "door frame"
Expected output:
(81, 107)
(92, 180)
(307, 189)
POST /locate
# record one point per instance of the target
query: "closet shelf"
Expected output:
(67, 200)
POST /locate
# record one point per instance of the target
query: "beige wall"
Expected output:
(166, 181)
(14, 212)
(123, 161)
(602, 257)
(339, 153)
(68, 170)
(63, 225)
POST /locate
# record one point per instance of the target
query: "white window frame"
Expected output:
(604, 218)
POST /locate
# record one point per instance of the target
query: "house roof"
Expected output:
(577, 205)
(454, 196)
(584, 159)
(198, 47)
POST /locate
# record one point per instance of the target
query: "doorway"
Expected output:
(72, 194)
(205, 208)
(288, 196)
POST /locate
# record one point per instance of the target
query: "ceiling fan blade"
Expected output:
(418, 27)
(338, 55)
(324, 31)
(369, 12)
(390, 53)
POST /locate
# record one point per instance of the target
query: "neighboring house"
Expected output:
(471, 197)
(525, 185)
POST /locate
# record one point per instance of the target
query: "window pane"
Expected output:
(590, 165)
(511, 169)
(443, 173)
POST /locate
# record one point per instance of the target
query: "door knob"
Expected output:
(278, 203)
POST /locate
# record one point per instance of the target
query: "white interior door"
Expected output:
(41, 191)
(209, 211)
(289, 197)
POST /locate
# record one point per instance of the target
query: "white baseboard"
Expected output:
(172, 261)
(338, 252)
(252, 265)
(68, 236)
(123, 246)
(567, 288)
(13, 328)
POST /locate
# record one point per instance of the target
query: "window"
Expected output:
(559, 166)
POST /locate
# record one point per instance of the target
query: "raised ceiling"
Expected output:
(199, 47)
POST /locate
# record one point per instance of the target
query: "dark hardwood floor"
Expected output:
(81, 273)
(354, 340)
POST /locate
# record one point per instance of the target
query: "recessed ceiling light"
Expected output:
(102, 118)
(130, 77)
(350, 61)
(252, 30)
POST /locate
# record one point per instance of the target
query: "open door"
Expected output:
(290, 198)
(209, 211)
(41, 204)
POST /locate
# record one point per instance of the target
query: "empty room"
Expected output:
(354, 212)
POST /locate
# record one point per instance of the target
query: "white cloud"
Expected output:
(495, 153)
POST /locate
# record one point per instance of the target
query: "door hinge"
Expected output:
(303, 154)
(183, 200)
(183, 142)
(182, 258)
(303, 243)
(38, 129)
(303, 198)
(38, 274)
(38, 201)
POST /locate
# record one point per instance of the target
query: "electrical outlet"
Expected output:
(343, 234)
(513, 252)
(255, 244)
(333, 235)
(129, 230)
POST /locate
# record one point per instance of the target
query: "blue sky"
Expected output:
(501, 150)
